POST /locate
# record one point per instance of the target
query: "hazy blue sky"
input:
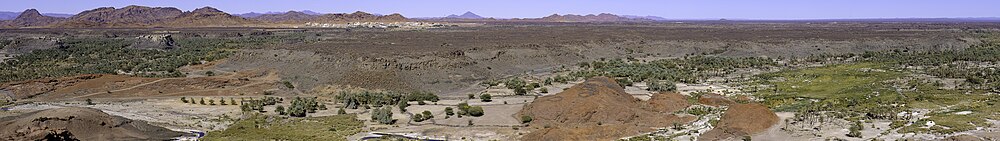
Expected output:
(687, 9)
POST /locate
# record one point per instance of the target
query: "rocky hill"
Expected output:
(290, 16)
(129, 16)
(597, 109)
(466, 15)
(31, 17)
(359, 17)
(79, 124)
(207, 16)
(145, 17)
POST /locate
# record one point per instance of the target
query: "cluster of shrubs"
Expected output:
(367, 99)
(466, 110)
(202, 101)
(300, 106)
(381, 112)
(76, 56)
(258, 104)
(383, 115)
(418, 117)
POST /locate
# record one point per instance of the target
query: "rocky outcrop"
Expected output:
(207, 16)
(597, 109)
(31, 18)
(79, 124)
(129, 16)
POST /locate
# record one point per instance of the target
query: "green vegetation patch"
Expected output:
(262, 127)
(109, 56)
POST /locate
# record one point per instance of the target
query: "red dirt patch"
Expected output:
(598, 109)
(668, 102)
(742, 120)
(715, 100)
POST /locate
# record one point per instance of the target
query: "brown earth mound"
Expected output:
(668, 102)
(715, 100)
(742, 120)
(79, 124)
(598, 109)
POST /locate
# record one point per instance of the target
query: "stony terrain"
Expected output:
(461, 63)
(79, 124)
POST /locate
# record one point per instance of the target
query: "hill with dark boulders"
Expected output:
(30, 17)
(597, 109)
(79, 124)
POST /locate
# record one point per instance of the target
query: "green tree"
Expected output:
(90, 102)
(525, 119)
(463, 108)
(448, 111)
(476, 111)
(417, 117)
(382, 115)
(202, 101)
(183, 99)
(486, 98)
(428, 115)
(341, 111)
(279, 109)
(211, 102)
(402, 106)
(520, 91)
(471, 96)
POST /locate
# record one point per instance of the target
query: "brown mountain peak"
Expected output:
(30, 12)
(207, 9)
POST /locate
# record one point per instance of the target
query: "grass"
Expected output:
(263, 127)
(794, 90)
(833, 81)
(872, 91)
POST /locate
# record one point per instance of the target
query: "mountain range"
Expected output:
(143, 16)
(603, 17)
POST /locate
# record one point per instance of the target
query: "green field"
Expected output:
(262, 127)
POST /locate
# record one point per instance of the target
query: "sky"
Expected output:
(671, 9)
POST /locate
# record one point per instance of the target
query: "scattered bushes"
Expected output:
(486, 98)
(382, 115)
(377, 99)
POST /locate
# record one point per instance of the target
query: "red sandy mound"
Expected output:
(79, 124)
(668, 102)
(741, 120)
(715, 100)
(598, 109)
